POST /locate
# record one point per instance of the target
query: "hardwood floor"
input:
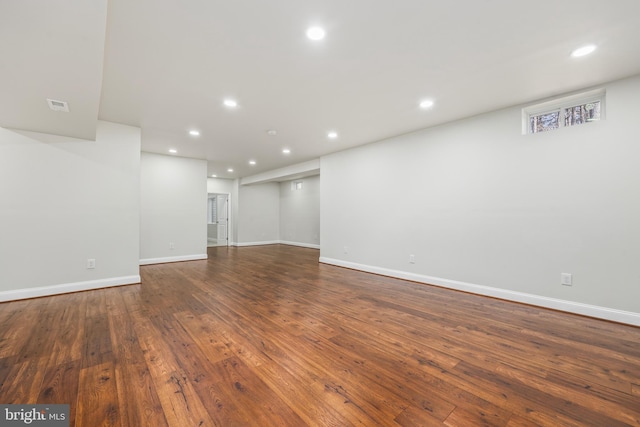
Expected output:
(266, 336)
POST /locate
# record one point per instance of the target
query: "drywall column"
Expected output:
(173, 220)
(65, 201)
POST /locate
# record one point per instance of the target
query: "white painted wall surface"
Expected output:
(63, 201)
(258, 214)
(220, 185)
(173, 208)
(300, 212)
(481, 205)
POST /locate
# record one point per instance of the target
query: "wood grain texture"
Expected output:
(267, 336)
(99, 403)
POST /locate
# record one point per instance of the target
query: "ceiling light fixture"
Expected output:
(252, 162)
(286, 151)
(194, 132)
(584, 50)
(272, 132)
(332, 135)
(426, 104)
(214, 176)
(229, 170)
(173, 151)
(316, 33)
(230, 103)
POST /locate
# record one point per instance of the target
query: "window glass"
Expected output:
(544, 122)
(582, 113)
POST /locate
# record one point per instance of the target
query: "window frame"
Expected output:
(561, 105)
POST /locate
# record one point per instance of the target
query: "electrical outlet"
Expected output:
(172, 246)
(346, 249)
(412, 259)
(91, 263)
(566, 279)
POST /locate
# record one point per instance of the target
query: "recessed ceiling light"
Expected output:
(252, 162)
(173, 151)
(286, 151)
(584, 50)
(214, 176)
(427, 103)
(231, 103)
(194, 132)
(229, 170)
(272, 132)
(332, 135)
(315, 33)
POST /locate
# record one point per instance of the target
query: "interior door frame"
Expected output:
(228, 196)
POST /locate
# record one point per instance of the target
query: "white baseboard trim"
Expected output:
(195, 257)
(277, 242)
(266, 242)
(599, 312)
(302, 245)
(44, 291)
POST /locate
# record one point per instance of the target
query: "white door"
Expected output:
(223, 218)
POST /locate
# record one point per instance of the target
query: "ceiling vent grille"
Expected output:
(58, 105)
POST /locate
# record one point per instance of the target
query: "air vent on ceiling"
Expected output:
(58, 105)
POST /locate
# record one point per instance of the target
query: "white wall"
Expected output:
(300, 212)
(63, 201)
(486, 209)
(220, 185)
(173, 221)
(258, 214)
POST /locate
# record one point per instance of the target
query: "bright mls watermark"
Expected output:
(35, 415)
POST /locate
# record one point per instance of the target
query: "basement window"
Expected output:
(563, 112)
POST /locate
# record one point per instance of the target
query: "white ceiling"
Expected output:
(166, 66)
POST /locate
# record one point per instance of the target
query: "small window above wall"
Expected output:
(583, 113)
(564, 112)
(544, 121)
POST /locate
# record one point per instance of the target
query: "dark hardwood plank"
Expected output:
(180, 402)
(417, 416)
(69, 324)
(137, 397)
(138, 400)
(15, 329)
(98, 397)
(23, 382)
(97, 339)
(60, 386)
(266, 336)
(291, 379)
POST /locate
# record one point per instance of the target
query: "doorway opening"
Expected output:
(217, 219)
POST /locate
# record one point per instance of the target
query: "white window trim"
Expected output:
(560, 104)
